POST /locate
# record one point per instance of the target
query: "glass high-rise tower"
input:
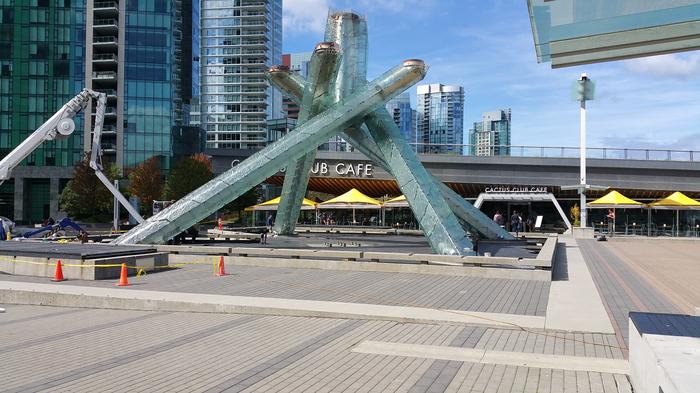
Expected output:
(240, 39)
(441, 118)
(141, 54)
(42, 49)
(400, 110)
(491, 136)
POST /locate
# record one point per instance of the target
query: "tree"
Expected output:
(201, 157)
(85, 197)
(186, 176)
(146, 182)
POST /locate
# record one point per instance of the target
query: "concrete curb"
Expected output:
(129, 299)
(470, 271)
(575, 304)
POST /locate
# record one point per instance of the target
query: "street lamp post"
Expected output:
(584, 90)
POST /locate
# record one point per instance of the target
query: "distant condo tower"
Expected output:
(491, 136)
(240, 39)
(440, 118)
(404, 116)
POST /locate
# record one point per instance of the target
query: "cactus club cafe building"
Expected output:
(531, 186)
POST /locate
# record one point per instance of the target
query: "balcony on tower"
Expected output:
(106, 9)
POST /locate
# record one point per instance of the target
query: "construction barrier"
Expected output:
(217, 265)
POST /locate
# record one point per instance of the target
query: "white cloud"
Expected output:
(673, 65)
(305, 15)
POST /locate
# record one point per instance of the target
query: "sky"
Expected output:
(487, 47)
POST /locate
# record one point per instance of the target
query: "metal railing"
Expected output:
(621, 153)
(104, 75)
(105, 39)
(105, 4)
(105, 22)
(104, 56)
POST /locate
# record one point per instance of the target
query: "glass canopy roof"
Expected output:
(573, 32)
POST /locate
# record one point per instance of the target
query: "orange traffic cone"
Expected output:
(58, 274)
(123, 281)
(222, 268)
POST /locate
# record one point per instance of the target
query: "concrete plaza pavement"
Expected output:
(176, 351)
(87, 350)
(522, 297)
(648, 275)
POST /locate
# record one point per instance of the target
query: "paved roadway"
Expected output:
(85, 350)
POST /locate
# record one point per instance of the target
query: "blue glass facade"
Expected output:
(42, 57)
(400, 110)
(441, 118)
(42, 52)
(150, 94)
(144, 56)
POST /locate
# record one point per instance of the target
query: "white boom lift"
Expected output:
(61, 126)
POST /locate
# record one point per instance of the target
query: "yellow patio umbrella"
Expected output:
(399, 201)
(273, 204)
(614, 200)
(676, 201)
(352, 199)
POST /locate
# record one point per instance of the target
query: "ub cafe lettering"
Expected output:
(322, 168)
(341, 169)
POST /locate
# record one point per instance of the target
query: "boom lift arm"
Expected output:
(60, 126)
(96, 155)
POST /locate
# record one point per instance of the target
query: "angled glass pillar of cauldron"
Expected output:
(442, 228)
(473, 219)
(348, 31)
(323, 68)
(205, 200)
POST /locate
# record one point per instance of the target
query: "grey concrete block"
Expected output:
(382, 256)
(184, 249)
(548, 252)
(467, 271)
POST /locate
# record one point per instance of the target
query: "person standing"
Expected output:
(268, 228)
(515, 223)
(498, 218)
(611, 221)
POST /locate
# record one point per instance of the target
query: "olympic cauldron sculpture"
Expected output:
(335, 99)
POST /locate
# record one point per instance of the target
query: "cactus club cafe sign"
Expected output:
(516, 189)
(341, 169)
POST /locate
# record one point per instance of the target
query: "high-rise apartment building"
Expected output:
(42, 50)
(441, 118)
(143, 55)
(404, 116)
(491, 136)
(240, 39)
